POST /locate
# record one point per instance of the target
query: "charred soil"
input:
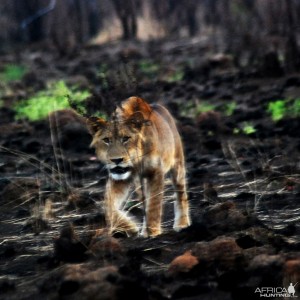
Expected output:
(243, 181)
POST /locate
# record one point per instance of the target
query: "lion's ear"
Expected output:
(137, 120)
(95, 124)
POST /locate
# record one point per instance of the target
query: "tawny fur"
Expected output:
(140, 145)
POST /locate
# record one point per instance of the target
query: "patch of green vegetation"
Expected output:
(236, 131)
(280, 109)
(176, 76)
(12, 72)
(101, 115)
(53, 98)
(192, 109)
(204, 107)
(103, 75)
(277, 109)
(229, 108)
(148, 67)
(248, 128)
(294, 109)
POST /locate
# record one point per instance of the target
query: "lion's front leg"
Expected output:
(181, 205)
(117, 220)
(154, 188)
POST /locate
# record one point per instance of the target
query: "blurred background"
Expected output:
(252, 31)
(227, 70)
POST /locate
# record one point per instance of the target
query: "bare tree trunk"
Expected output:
(191, 14)
(292, 60)
(127, 14)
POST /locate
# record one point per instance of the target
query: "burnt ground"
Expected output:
(244, 187)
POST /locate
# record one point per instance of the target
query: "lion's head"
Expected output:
(119, 142)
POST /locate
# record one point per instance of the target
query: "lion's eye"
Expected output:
(106, 140)
(125, 139)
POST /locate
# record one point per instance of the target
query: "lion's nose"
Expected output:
(117, 160)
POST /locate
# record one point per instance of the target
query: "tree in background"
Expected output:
(292, 53)
(259, 33)
(67, 24)
(127, 14)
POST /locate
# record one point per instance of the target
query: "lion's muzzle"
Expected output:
(120, 173)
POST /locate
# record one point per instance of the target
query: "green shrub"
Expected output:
(204, 107)
(248, 128)
(229, 109)
(277, 109)
(148, 67)
(192, 109)
(295, 108)
(12, 72)
(53, 98)
(280, 109)
(176, 76)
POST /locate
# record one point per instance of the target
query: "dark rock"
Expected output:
(208, 93)
(104, 246)
(230, 280)
(32, 79)
(6, 286)
(84, 282)
(189, 291)
(68, 287)
(292, 81)
(252, 252)
(197, 231)
(132, 288)
(225, 216)
(210, 121)
(212, 144)
(247, 241)
(288, 127)
(201, 71)
(210, 194)
(8, 251)
(222, 251)
(264, 262)
(68, 247)
(31, 146)
(245, 88)
(69, 130)
(6, 115)
(291, 271)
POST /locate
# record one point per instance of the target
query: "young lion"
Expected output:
(140, 145)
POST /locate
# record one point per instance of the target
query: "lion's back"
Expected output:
(169, 143)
